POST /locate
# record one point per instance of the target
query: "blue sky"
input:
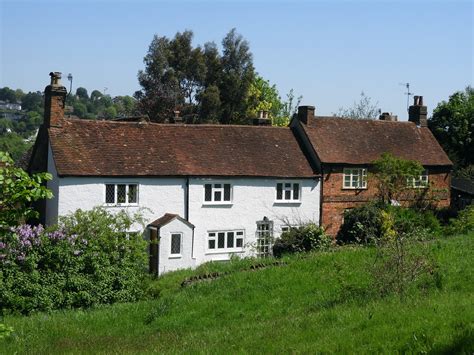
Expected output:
(327, 51)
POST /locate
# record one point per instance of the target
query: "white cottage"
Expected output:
(208, 191)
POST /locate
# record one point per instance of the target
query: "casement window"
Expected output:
(218, 193)
(288, 192)
(225, 240)
(121, 194)
(355, 178)
(175, 249)
(418, 182)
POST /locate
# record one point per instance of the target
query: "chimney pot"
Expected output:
(55, 78)
(54, 101)
(418, 113)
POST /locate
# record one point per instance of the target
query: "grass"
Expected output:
(320, 302)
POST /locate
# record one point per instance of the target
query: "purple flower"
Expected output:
(21, 257)
(2, 245)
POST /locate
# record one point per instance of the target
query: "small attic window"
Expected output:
(218, 193)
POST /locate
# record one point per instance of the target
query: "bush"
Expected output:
(301, 239)
(361, 225)
(86, 260)
(463, 224)
(364, 224)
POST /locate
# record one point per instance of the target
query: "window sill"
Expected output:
(217, 203)
(226, 251)
(354, 188)
(286, 202)
(120, 204)
(175, 256)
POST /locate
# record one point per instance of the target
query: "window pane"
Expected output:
(121, 193)
(287, 194)
(230, 239)
(207, 192)
(212, 234)
(218, 186)
(240, 233)
(296, 191)
(220, 240)
(226, 192)
(217, 196)
(109, 193)
(132, 193)
(279, 191)
(239, 242)
(175, 243)
(212, 244)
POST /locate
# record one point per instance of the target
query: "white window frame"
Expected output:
(290, 189)
(127, 186)
(360, 173)
(217, 189)
(179, 255)
(421, 182)
(213, 235)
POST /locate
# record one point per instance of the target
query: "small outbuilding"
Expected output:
(171, 244)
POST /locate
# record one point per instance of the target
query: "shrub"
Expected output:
(301, 239)
(464, 223)
(86, 260)
(361, 225)
(409, 220)
(403, 260)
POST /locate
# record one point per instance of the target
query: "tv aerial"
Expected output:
(408, 93)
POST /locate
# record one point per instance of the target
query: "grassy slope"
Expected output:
(303, 306)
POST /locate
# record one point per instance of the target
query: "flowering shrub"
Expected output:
(86, 260)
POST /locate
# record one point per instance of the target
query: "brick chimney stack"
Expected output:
(262, 119)
(388, 117)
(418, 113)
(306, 114)
(54, 101)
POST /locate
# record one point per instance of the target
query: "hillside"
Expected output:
(320, 302)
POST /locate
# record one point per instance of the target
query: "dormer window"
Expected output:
(217, 193)
(355, 178)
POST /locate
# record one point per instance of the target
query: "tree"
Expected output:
(262, 96)
(7, 94)
(452, 124)
(364, 109)
(391, 174)
(237, 77)
(33, 101)
(17, 191)
(82, 93)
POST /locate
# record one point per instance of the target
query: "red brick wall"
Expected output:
(335, 199)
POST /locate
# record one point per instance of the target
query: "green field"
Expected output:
(319, 302)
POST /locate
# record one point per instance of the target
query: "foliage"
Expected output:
(5, 331)
(203, 84)
(295, 301)
(17, 191)
(13, 144)
(463, 224)
(362, 225)
(391, 174)
(87, 260)
(403, 259)
(364, 109)
(466, 172)
(452, 124)
(301, 239)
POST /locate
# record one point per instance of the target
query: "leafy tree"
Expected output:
(391, 174)
(364, 109)
(14, 144)
(80, 109)
(263, 96)
(96, 95)
(210, 103)
(7, 94)
(17, 191)
(453, 126)
(237, 77)
(33, 101)
(82, 93)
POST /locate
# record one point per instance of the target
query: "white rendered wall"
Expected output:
(252, 199)
(53, 185)
(168, 262)
(157, 195)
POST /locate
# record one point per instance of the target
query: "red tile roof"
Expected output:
(104, 148)
(349, 141)
(167, 218)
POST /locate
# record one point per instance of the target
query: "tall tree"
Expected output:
(453, 126)
(237, 76)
